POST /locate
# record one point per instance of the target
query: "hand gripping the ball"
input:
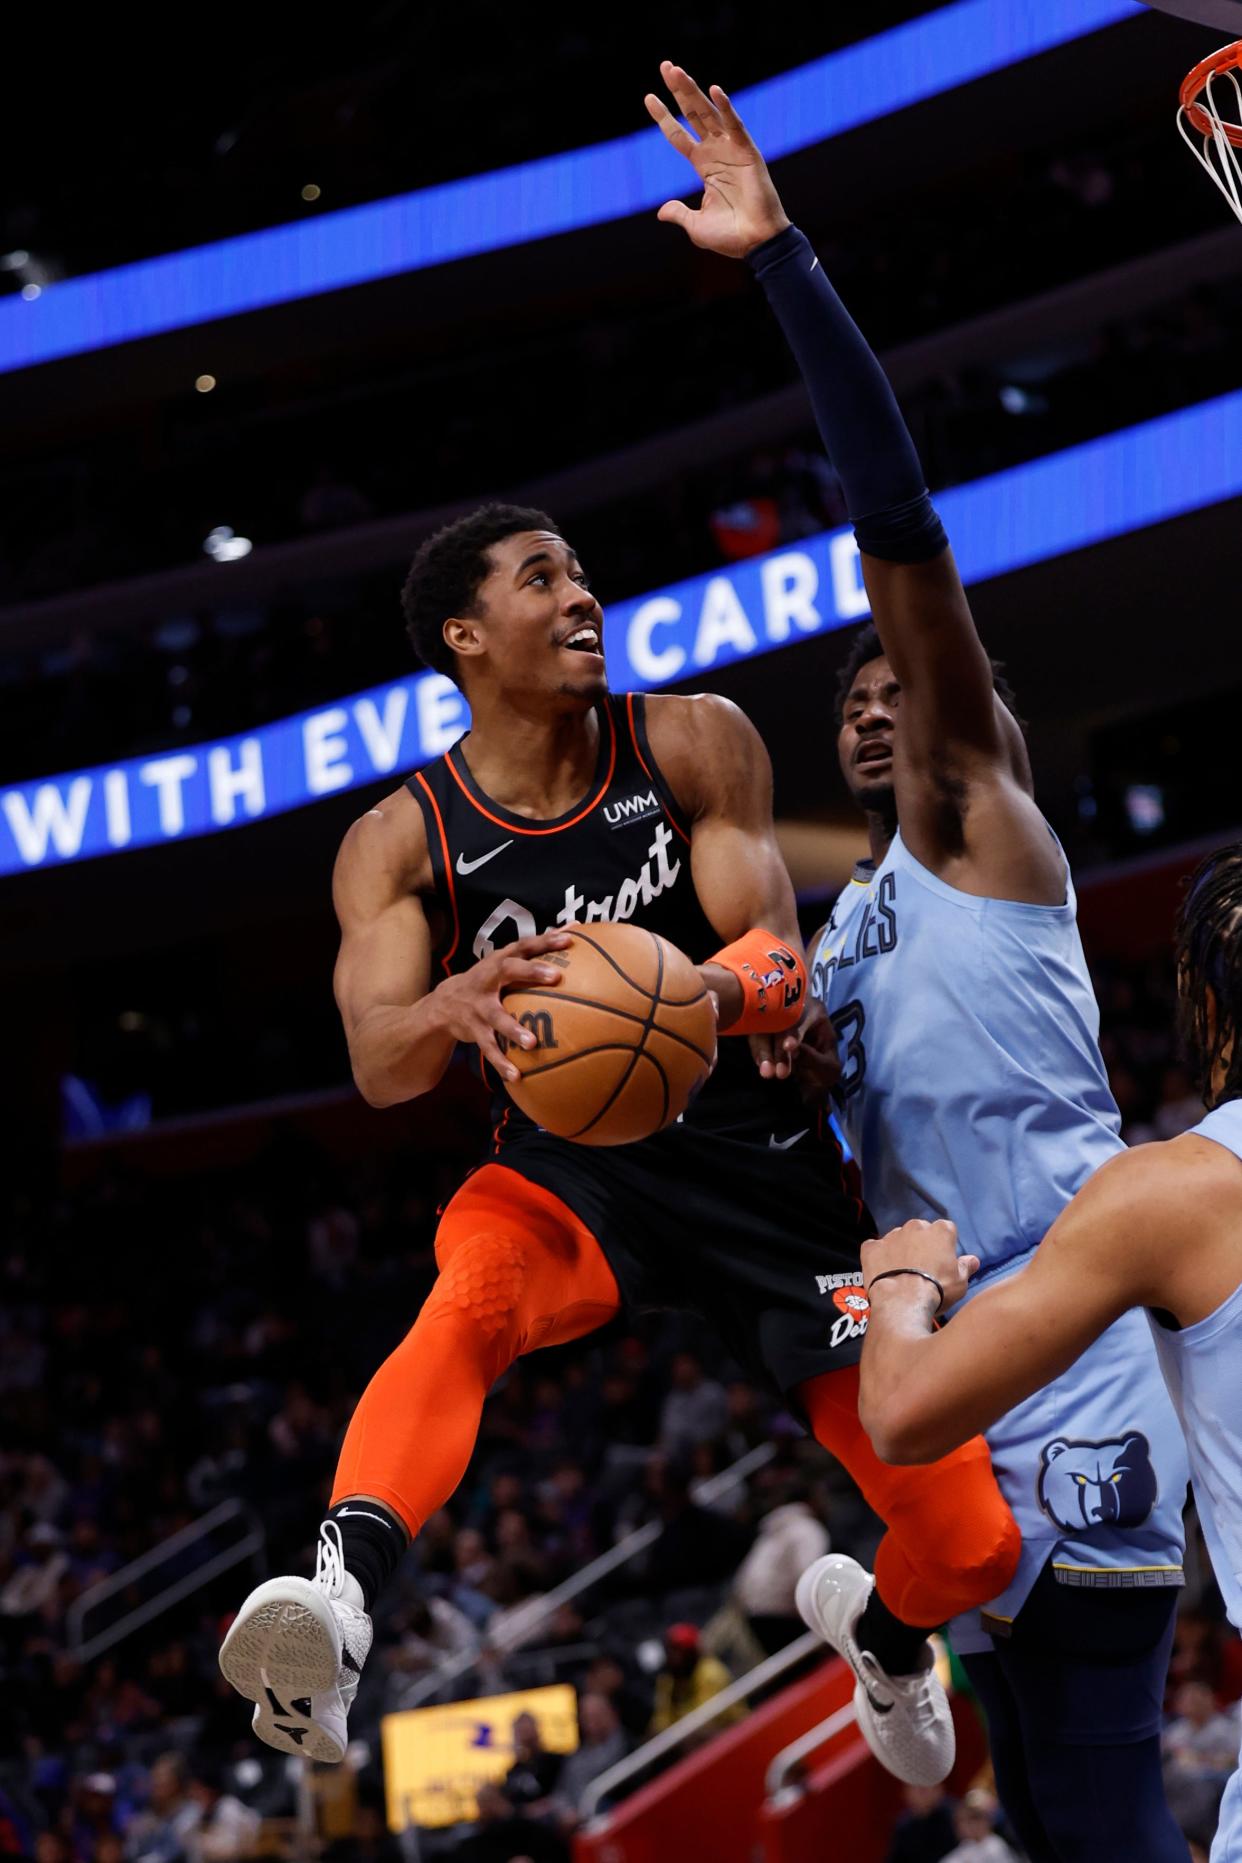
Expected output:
(469, 1007)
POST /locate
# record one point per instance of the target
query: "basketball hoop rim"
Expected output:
(1228, 58)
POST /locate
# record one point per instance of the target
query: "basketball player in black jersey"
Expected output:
(565, 804)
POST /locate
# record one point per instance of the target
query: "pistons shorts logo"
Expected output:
(851, 1302)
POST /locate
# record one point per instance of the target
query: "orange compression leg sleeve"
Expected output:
(952, 1543)
(517, 1270)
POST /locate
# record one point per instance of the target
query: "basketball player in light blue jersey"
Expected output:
(1159, 1228)
(973, 1084)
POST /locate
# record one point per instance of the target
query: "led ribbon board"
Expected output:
(533, 200)
(1126, 481)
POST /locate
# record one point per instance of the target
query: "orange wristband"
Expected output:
(773, 980)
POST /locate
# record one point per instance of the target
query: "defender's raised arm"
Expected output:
(958, 743)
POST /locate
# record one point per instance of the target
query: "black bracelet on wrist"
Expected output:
(889, 1273)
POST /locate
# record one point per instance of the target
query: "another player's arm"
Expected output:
(923, 1391)
(721, 774)
(402, 1031)
(958, 744)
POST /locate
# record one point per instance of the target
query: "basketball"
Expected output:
(625, 1040)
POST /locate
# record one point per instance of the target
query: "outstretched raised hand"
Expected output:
(740, 206)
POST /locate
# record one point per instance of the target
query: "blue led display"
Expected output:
(1126, 481)
(953, 46)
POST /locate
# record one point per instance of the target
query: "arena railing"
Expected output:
(783, 1773)
(629, 1770)
(709, 1489)
(175, 1548)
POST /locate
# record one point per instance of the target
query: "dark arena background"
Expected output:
(280, 295)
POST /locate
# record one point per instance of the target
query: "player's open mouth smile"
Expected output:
(584, 640)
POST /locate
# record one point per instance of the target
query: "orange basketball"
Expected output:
(624, 1039)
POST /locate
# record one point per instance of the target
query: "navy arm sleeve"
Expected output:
(855, 409)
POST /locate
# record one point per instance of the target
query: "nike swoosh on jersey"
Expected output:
(465, 866)
(775, 1144)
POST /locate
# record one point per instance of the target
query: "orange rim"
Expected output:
(1229, 58)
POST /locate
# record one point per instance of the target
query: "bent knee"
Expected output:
(483, 1281)
(985, 1563)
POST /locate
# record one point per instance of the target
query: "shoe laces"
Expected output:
(919, 1695)
(913, 1691)
(330, 1560)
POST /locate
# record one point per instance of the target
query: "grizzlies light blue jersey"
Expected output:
(1202, 1366)
(972, 1087)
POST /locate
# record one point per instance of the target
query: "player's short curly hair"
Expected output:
(446, 572)
(868, 646)
(1209, 955)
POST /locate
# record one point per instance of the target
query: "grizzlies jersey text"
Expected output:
(972, 1087)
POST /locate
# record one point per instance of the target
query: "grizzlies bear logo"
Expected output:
(1097, 1484)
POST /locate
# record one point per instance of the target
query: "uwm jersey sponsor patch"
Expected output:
(630, 809)
(621, 853)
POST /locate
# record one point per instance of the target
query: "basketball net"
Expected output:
(1209, 120)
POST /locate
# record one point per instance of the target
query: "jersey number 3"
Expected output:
(849, 1024)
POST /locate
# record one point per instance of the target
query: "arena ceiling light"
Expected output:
(224, 546)
(955, 45)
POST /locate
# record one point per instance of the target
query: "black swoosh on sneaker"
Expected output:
(881, 1707)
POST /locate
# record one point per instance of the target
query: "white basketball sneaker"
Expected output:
(905, 1718)
(296, 1649)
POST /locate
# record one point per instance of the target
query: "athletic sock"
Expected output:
(897, 1647)
(372, 1543)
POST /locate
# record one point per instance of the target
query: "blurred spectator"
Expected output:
(1207, 1649)
(696, 1410)
(433, 1633)
(925, 1830)
(790, 1538)
(532, 1778)
(624, 1692)
(1200, 1747)
(227, 1827)
(35, 1583)
(517, 1550)
(473, 1570)
(602, 1743)
(502, 1836)
(696, 1547)
(978, 1840)
(688, 1680)
(370, 1840)
(165, 1831)
(96, 1814)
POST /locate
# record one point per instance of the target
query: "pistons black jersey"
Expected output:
(622, 853)
(748, 1170)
